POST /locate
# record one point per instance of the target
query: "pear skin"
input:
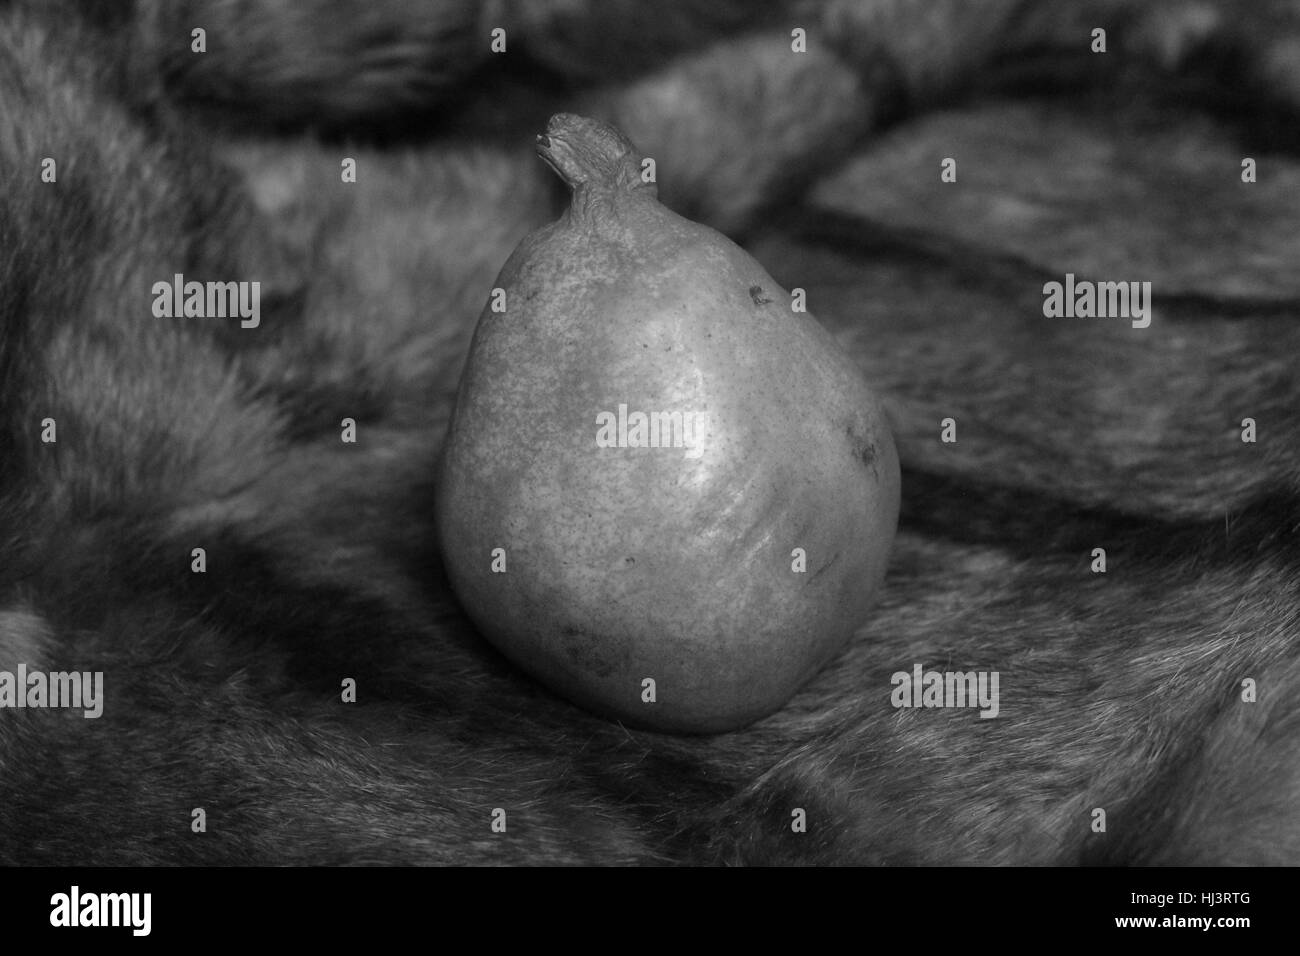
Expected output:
(688, 577)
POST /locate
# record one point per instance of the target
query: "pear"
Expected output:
(665, 492)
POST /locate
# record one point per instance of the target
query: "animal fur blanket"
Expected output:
(1101, 511)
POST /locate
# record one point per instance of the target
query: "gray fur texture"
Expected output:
(1120, 691)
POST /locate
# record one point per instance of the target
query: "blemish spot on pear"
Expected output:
(661, 557)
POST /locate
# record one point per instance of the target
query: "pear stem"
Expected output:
(588, 153)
